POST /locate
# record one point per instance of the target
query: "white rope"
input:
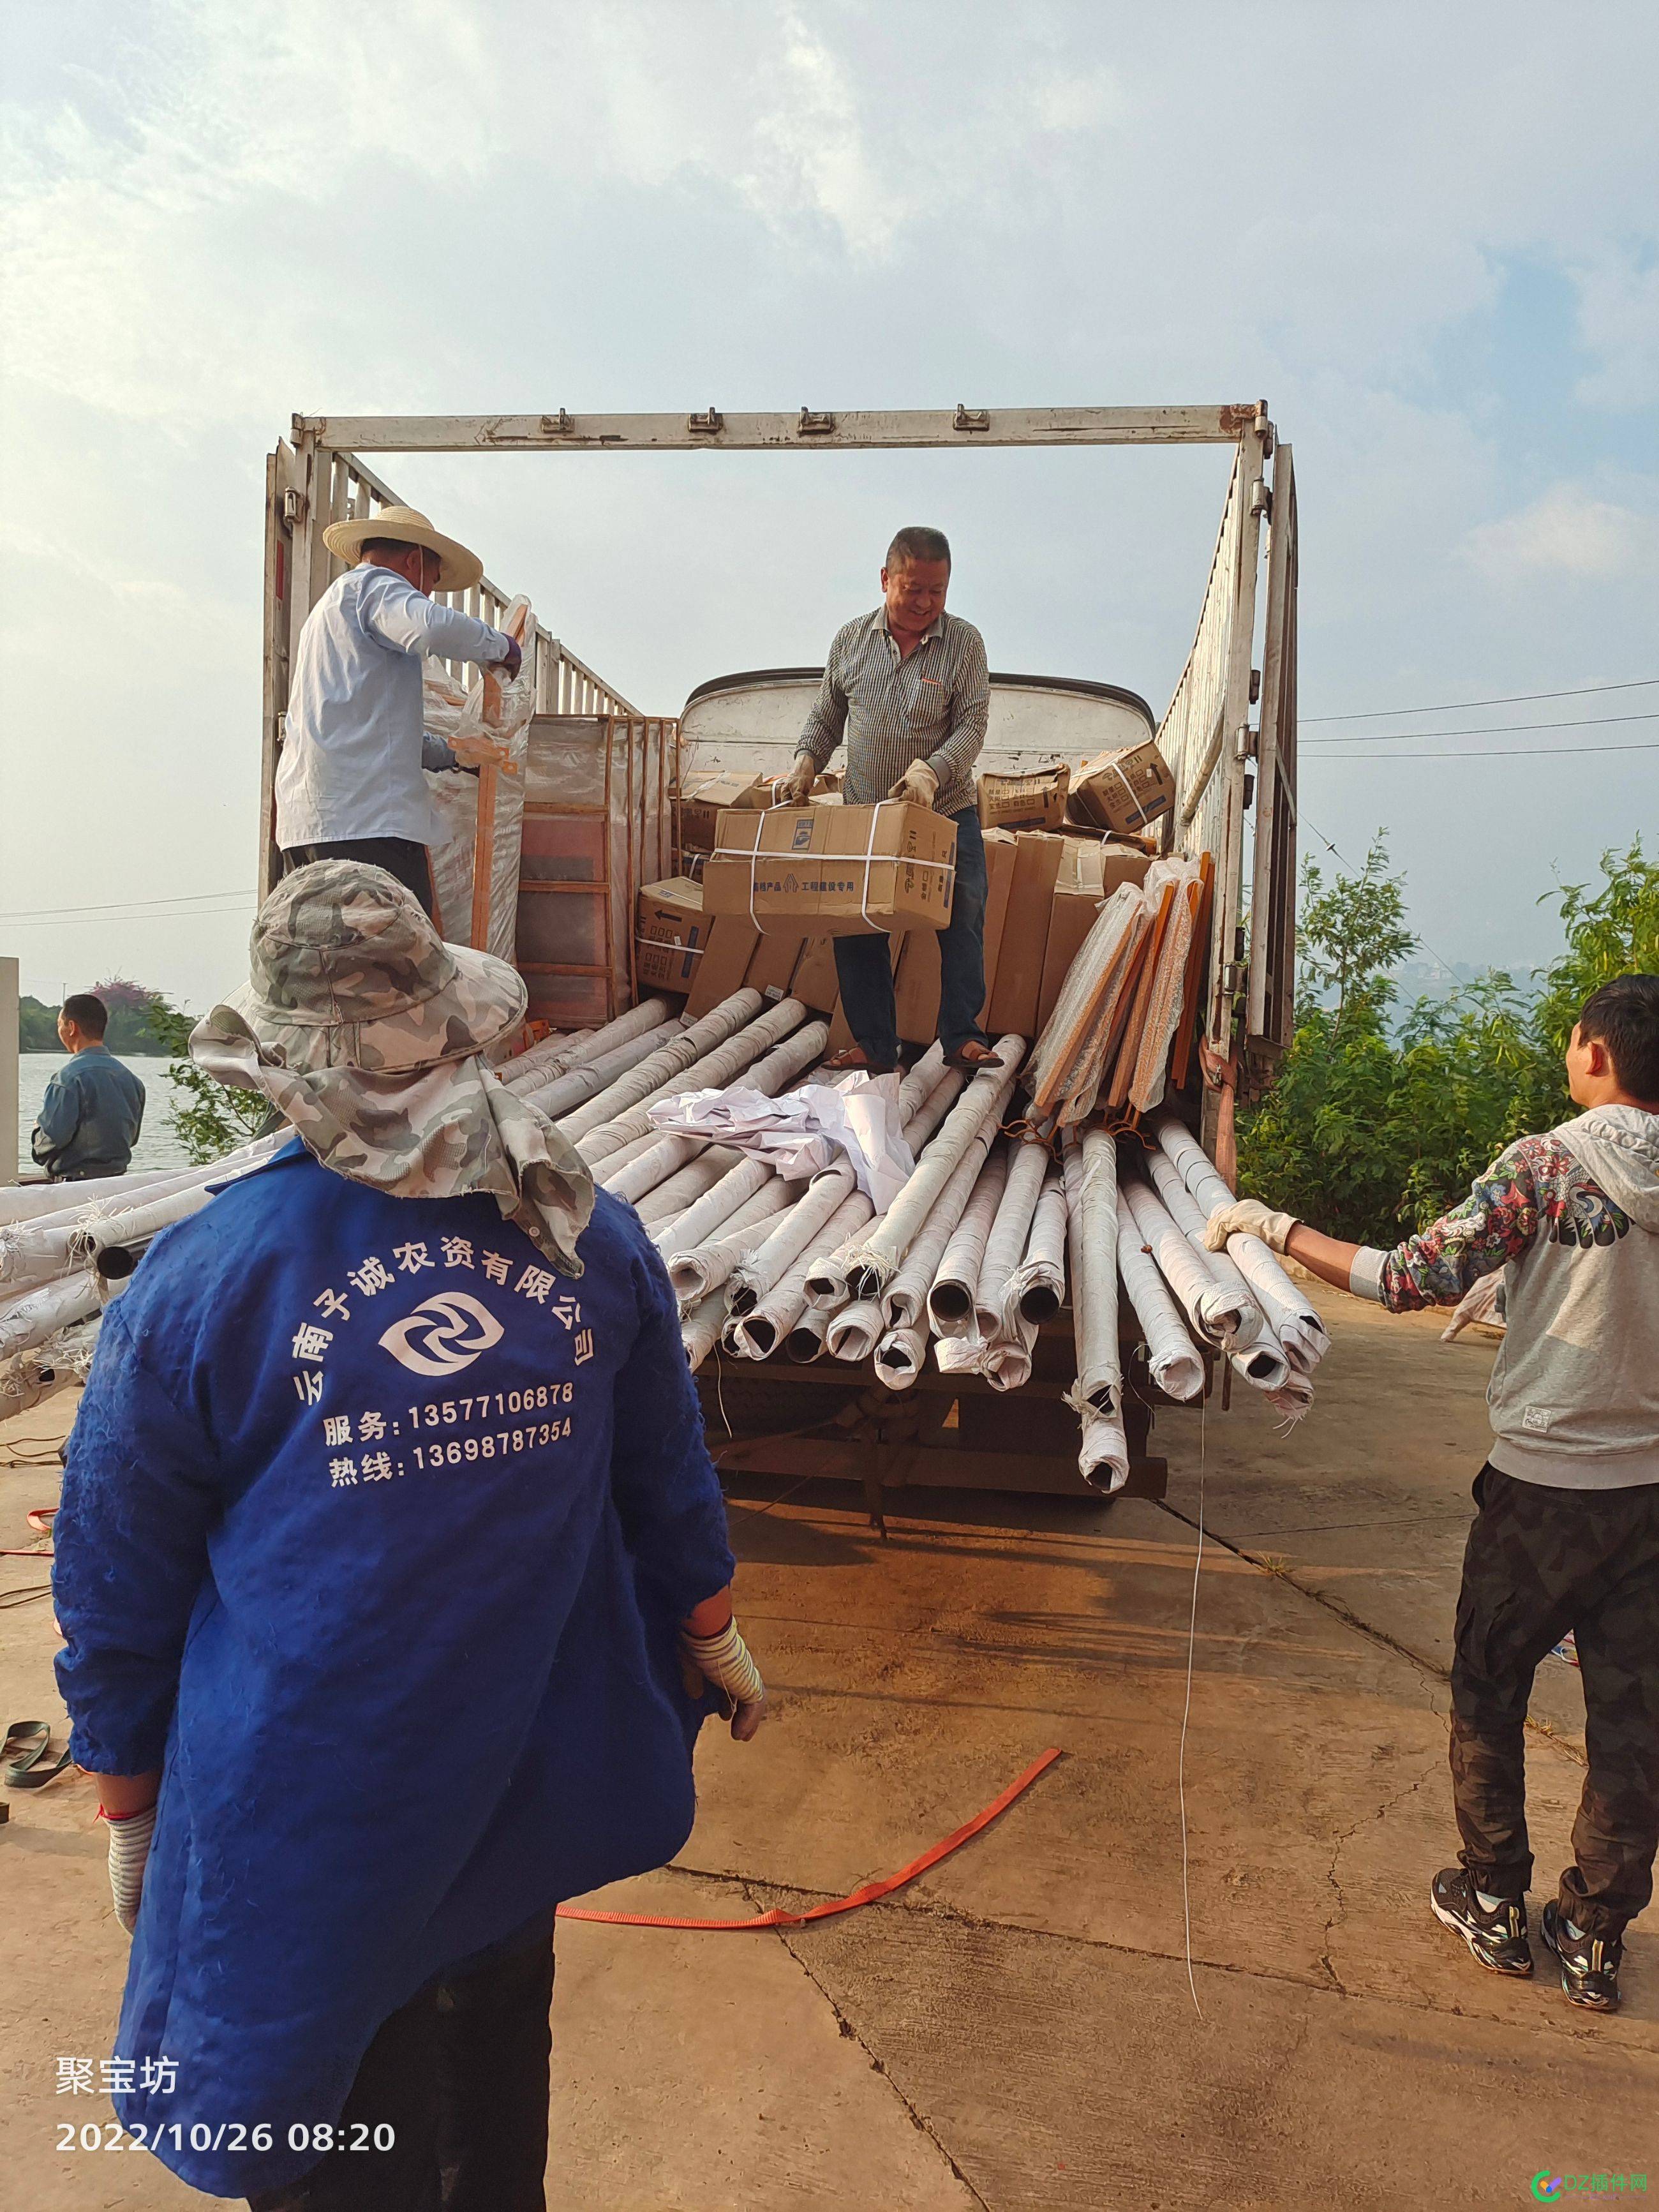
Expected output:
(1186, 1711)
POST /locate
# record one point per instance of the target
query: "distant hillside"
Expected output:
(128, 1032)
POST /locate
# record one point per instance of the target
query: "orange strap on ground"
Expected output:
(777, 1918)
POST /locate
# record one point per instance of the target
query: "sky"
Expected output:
(1426, 236)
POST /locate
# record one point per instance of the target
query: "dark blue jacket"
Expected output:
(90, 1117)
(374, 1535)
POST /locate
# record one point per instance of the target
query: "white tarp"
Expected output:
(803, 1133)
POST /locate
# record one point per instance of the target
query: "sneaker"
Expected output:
(1590, 1964)
(1498, 1938)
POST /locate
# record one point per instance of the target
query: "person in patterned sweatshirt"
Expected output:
(1567, 1535)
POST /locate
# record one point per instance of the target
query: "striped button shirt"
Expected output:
(931, 707)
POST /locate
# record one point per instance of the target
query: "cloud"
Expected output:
(1569, 532)
(1619, 322)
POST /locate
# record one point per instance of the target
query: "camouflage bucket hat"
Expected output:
(365, 1030)
(345, 970)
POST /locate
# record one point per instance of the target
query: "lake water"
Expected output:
(157, 1146)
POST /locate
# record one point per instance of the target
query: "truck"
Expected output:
(604, 779)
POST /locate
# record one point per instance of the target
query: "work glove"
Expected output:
(919, 784)
(1248, 1217)
(130, 1836)
(795, 788)
(512, 661)
(726, 1660)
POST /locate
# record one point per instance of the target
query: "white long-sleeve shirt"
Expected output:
(351, 751)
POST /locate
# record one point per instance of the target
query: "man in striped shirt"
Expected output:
(907, 686)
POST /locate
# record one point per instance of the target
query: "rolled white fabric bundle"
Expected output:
(758, 1332)
(700, 1329)
(707, 1266)
(557, 1096)
(34, 1315)
(960, 1355)
(1006, 1361)
(922, 1081)
(830, 1284)
(950, 1298)
(904, 1302)
(39, 1249)
(686, 1186)
(1263, 1363)
(878, 1259)
(711, 1072)
(1176, 1366)
(805, 1340)
(138, 1226)
(920, 1125)
(649, 1168)
(1179, 1205)
(1005, 1246)
(1293, 1396)
(827, 1273)
(854, 1331)
(794, 1236)
(1290, 1313)
(1090, 1171)
(715, 1210)
(1036, 1287)
(1211, 1309)
(901, 1356)
(37, 1201)
(555, 1056)
(1103, 1460)
(659, 1068)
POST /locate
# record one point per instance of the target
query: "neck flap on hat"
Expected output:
(434, 1133)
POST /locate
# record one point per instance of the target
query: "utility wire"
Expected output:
(1461, 706)
(1488, 730)
(183, 905)
(1501, 752)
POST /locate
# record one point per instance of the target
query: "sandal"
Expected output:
(973, 1055)
(23, 1749)
(851, 1058)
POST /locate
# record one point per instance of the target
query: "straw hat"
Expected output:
(410, 527)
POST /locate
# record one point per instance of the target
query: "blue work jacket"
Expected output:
(375, 1535)
(90, 1116)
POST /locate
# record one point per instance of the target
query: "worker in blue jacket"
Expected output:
(389, 1545)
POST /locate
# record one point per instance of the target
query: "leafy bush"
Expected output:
(1371, 1133)
(208, 1120)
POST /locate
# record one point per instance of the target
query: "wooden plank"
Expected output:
(1273, 882)
(1236, 716)
(1221, 424)
(921, 1467)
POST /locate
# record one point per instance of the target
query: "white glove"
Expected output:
(726, 1660)
(919, 784)
(796, 787)
(130, 1839)
(1248, 1217)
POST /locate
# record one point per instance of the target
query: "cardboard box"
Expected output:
(1024, 802)
(917, 988)
(1017, 992)
(670, 932)
(833, 871)
(728, 951)
(774, 962)
(815, 981)
(1122, 790)
(1000, 850)
(700, 807)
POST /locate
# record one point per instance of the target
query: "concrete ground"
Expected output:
(1020, 2028)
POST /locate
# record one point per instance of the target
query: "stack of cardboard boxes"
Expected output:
(701, 933)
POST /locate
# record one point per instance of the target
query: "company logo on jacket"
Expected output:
(444, 1335)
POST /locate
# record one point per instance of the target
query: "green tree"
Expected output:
(1350, 935)
(208, 1120)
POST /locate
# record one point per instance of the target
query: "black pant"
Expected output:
(460, 2074)
(1539, 1562)
(398, 856)
(863, 965)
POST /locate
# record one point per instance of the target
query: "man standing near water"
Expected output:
(349, 785)
(94, 1108)
(907, 686)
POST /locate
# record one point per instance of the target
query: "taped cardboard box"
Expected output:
(772, 963)
(728, 949)
(701, 806)
(1024, 802)
(815, 981)
(1088, 872)
(670, 932)
(1124, 790)
(999, 849)
(833, 871)
(1017, 991)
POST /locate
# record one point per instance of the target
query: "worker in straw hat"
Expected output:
(349, 784)
(393, 1578)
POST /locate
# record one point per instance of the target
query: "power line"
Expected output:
(187, 902)
(1504, 752)
(1303, 820)
(1461, 706)
(1488, 730)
